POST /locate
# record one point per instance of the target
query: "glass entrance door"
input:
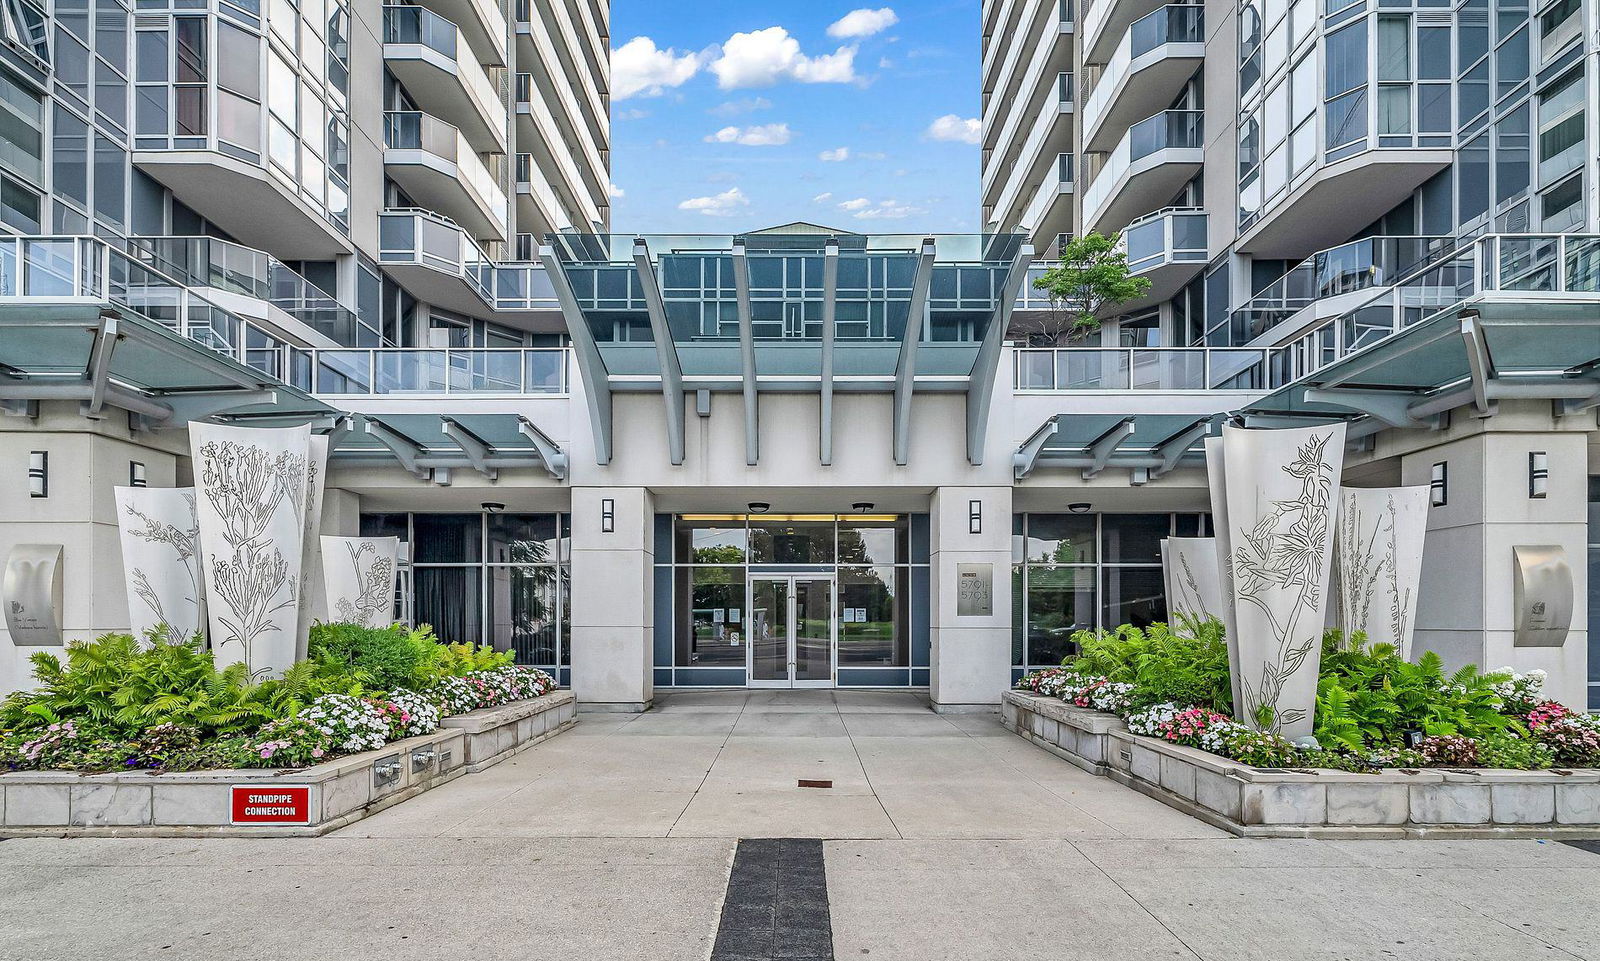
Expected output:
(792, 631)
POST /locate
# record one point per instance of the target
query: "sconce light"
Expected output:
(974, 517)
(608, 515)
(1439, 485)
(1081, 507)
(136, 475)
(1538, 473)
(38, 473)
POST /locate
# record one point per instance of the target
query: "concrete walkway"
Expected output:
(947, 839)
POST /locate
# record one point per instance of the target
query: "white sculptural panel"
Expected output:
(160, 528)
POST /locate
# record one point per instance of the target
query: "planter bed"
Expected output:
(1273, 802)
(340, 792)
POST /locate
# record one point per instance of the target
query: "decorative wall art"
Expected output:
(359, 576)
(1189, 569)
(1222, 540)
(32, 594)
(310, 561)
(1378, 562)
(251, 497)
(1281, 500)
(161, 560)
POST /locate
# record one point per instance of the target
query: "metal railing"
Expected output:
(408, 25)
(394, 371)
(1166, 130)
(1170, 24)
(1533, 263)
(1171, 235)
(415, 130)
(408, 235)
(1138, 368)
(1347, 268)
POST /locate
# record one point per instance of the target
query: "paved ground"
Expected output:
(947, 839)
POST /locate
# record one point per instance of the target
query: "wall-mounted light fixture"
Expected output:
(974, 517)
(1538, 473)
(608, 515)
(136, 474)
(38, 473)
(1439, 484)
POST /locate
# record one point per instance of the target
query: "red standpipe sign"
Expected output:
(271, 804)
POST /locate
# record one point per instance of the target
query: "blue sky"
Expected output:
(730, 115)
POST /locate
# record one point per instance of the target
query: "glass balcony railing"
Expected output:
(219, 264)
(423, 238)
(1358, 265)
(399, 371)
(419, 26)
(1173, 235)
(1169, 24)
(1544, 263)
(1138, 369)
(414, 130)
(1169, 129)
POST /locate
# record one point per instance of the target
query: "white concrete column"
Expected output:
(612, 598)
(1466, 608)
(971, 658)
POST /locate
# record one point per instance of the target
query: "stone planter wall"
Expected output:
(344, 790)
(1272, 802)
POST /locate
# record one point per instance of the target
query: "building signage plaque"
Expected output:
(32, 590)
(974, 590)
(271, 804)
(1542, 595)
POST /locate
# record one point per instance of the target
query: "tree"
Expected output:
(1091, 277)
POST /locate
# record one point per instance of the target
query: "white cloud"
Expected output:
(721, 205)
(953, 127)
(765, 135)
(639, 69)
(734, 108)
(761, 58)
(862, 23)
(612, 190)
(888, 210)
(632, 113)
(834, 156)
(872, 155)
(856, 204)
(822, 198)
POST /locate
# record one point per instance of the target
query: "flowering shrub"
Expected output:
(455, 696)
(1520, 693)
(290, 742)
(1192, 726)
(1573, 739)
(354, 724)
(1449, 750)
(419, 713)
(1083, 690)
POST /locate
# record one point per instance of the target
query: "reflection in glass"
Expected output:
(448, 599)
(813, 630)
(792, 542)
(1134, 595)
(522, 538)
(712, 626)
(522, 613)
(709, 542)
(448, 538)
(769, 630)
(1133, 538)
(1060, 602)
(1060, 539)
(874, 541)
(873, 615)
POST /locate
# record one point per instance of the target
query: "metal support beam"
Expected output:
(342, 428)
(30, 389)
(197, 405)
(666, 351)
(98, 371)
(830, 304)
(986, 367)
(1478, 360)
(1393, 407)
(555, 459)
(905, 371)
(1027, 456)
(747, 357)
(407, 451)
(591, 366)
(477, 450)
(1100, 451)
(1172, 449)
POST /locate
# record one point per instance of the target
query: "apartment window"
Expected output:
(1512, 152)
(110, 181)
(1562, 205)
(21, 206)
(1472, 180)
(21, 128)
(1561, 123)
(26, 26)
(1559, 24)
(1511, 63)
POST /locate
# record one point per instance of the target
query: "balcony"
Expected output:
(480, 23)
(393, 372)
(1168, 248)
(539, 210)
(1103, 22)
(1049, 213)
(438, 263)
(257, 285)
(541, 42)
(1157, 156)
(423, 50)
(1157, 55)
(1339, 199)
(1153, 369)
(555, 153)
(1008, 172)
(1323, 285)
(436, 166)
(1049, 52)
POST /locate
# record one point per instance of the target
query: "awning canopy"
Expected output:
(1149, 445)
(426, 444)
(1492, 347)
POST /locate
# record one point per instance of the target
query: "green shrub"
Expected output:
(118, 684)
(1187, 666)
(1368, 697)
(1511, 750)
(459, 660)
(382, 658)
